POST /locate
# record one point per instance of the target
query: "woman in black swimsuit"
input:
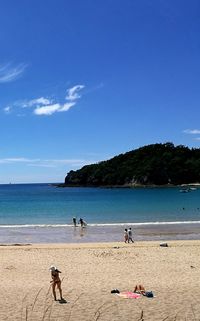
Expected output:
(55, 281)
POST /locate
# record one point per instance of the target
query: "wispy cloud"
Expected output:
(17, 160)
(37, 102)
(7, 110)
(73, 93)
(9, 73)
(197, 138)
(37, 162)
(95, 88)
(46, 106)
(192, 131)
(42, 165)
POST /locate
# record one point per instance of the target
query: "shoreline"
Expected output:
(63, 185)
(100, 245)
(99, 234)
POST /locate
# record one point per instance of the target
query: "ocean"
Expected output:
(43, 213)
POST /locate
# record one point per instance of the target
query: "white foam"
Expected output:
(98, 224)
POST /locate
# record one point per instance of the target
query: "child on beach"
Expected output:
(125, 235)
(55, 281)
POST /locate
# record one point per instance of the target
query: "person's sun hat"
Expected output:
(52, 268)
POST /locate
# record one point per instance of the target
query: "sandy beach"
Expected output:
(89, 273)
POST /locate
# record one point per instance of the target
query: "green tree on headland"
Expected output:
(156, 164)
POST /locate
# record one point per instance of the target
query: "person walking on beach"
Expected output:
(125, 235)
(74, 221)
(55, 281)
(130, 235)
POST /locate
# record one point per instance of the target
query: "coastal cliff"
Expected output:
(155, 164)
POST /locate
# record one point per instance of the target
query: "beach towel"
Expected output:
(129, 295)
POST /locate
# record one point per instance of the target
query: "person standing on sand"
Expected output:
(125, 235)
(130, 235)
(55, 281)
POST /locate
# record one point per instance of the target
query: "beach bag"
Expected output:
(115, 291)
(164, 244)
(149, 294)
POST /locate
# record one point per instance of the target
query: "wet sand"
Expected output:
(104, 233)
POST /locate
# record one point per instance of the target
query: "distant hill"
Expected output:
(156, 164)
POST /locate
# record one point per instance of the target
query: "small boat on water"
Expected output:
(184, 190)
(187, 189)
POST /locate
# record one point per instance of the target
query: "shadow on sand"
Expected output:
(62, 301)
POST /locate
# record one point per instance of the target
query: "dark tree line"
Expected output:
(156, 164)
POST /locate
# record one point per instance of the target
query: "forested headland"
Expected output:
(155, 164)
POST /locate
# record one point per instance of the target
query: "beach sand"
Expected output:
(90, 271)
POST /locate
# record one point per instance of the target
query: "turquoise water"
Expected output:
(37, 204)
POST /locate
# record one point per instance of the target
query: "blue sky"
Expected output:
(84, 80)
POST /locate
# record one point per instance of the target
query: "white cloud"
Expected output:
(45, 106)
(16, 160)
(66, 106)
(73, 93)
(197, 138)
(51, 109)
(7, 110)
(37, 101)
(192, 131)
(10, 73)
(37, 162)
(68, 161)
(42, 165)
(47, 110)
